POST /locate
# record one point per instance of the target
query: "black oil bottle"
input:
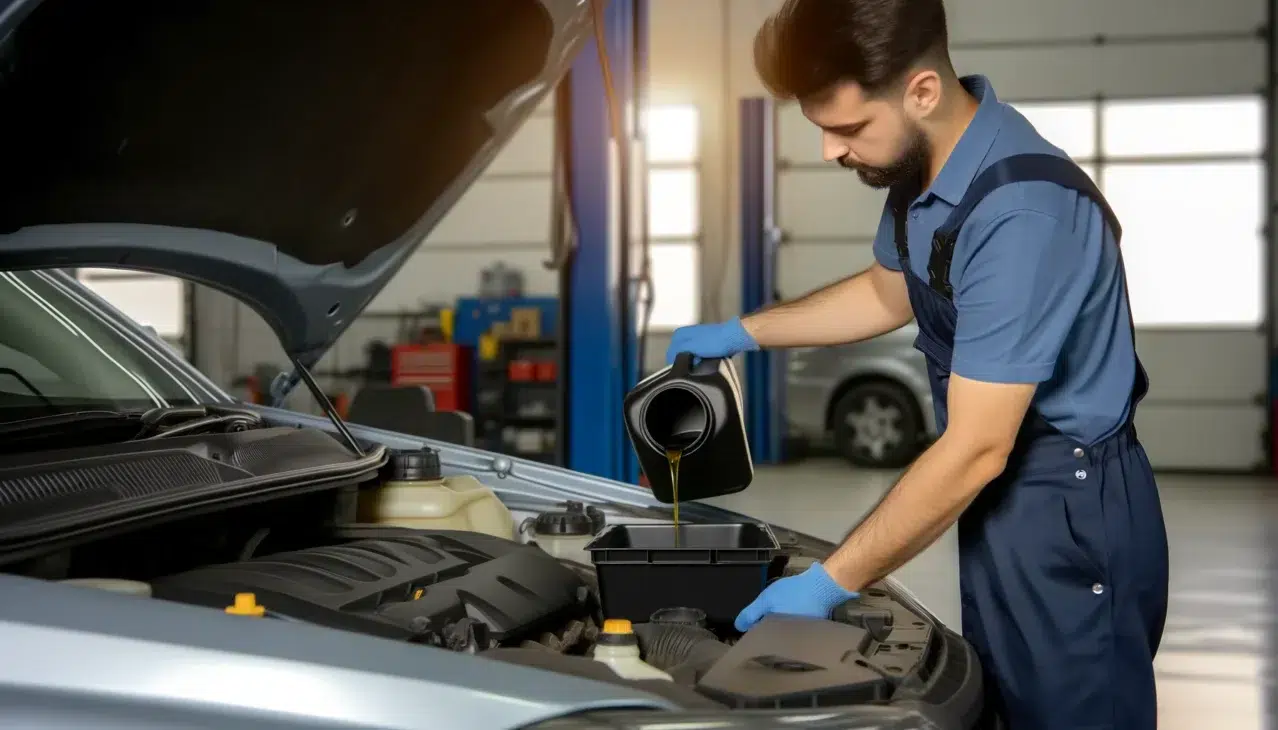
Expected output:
(693, 410)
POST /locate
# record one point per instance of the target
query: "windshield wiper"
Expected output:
(29, 386)
(44, 426)
(149, 424)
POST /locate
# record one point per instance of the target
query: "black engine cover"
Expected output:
(397, 583)
(794, 661)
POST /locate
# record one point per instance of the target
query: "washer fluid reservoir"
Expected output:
(618, 647)
(694, 411)
(565, 534)
(417, 495)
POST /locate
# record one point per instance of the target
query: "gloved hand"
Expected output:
(720, 339)
(810, 593)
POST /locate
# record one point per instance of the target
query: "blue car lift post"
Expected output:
(597, 293)
(765, 372)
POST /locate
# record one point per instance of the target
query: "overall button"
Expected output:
(1097, 588)
(915, 215)
(1078, 453)
(1080, 474)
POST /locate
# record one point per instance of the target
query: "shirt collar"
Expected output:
(965, 160)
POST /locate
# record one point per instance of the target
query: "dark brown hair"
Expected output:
(810, 46)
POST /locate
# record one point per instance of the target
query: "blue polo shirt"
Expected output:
(1037, 284)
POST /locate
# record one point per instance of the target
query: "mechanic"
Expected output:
(1007, 256)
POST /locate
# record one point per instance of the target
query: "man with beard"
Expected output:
(1007, 256)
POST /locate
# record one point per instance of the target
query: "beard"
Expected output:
(909, 166)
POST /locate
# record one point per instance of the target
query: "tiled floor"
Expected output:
(1215, 665)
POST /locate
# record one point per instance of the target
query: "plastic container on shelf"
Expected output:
(521, 371)
(717, 568)
(547, 371)
(417, 495)
(618, 648)
(565, 534)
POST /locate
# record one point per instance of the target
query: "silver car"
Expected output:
(871, 400)
(170, 557)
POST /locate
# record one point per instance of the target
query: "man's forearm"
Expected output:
(866, 305)
(929, 498)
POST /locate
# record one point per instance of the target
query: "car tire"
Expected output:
(877, 425)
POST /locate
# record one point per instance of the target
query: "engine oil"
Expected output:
(687, 427)
(416, 494)
(673, 457)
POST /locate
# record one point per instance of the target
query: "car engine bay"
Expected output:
(460, 572)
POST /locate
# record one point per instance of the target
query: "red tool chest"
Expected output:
(443, 367)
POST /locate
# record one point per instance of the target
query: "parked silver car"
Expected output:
(870, 399)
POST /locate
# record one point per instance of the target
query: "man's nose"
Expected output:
(832, 149)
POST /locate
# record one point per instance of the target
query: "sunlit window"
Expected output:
(673, 204)
(1070, 125)
(1187, 181)
(671, 133)
(1184, 127)
(676, 267)
(1191, 268)
(674, 215)
(150, 300)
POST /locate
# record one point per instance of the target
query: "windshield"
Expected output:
(60, 352)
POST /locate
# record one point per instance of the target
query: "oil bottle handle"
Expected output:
(682, 366)
(683, 363)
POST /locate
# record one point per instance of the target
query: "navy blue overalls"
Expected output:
(1063, 558)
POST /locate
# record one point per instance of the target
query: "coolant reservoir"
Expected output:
(565, 534)
(618, 648)
(417, 495)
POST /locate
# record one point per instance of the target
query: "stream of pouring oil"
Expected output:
(673, 456)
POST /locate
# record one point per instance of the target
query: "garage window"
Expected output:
(148, 299)
(1186, 177)
(674, 214)
(1190, 199)
(1070, 125)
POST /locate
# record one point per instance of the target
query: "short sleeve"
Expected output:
(885, 241)
(1024, 279)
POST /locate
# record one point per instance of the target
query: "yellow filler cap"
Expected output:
(246, 605)
(617, 626)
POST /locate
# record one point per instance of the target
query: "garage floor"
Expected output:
(1223, 614)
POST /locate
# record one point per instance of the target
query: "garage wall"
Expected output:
(505, 217)
(1203, 335)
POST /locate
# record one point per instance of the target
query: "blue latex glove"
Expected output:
(720, 339)
(810, 593)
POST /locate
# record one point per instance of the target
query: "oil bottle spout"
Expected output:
(676, 417)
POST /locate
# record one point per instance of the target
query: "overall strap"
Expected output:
(1028, 168)
(899, 198)
(1015, 169)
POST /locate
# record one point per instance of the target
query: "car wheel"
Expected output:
(877, 425)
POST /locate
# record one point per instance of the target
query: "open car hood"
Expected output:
(292, 153)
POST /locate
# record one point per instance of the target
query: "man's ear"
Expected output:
(922, 94)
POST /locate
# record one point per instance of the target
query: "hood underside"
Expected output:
(291, 153)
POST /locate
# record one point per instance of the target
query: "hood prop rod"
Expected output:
(300, 371)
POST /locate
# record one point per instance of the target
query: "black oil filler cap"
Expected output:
(573, 521)
(414, 465)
